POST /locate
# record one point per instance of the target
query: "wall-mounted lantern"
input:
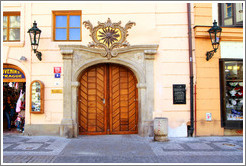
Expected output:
(214, 33)
(34, 33)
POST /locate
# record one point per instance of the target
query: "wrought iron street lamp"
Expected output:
(34, 33)
(214, 33)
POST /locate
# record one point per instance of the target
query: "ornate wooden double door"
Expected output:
(108, 100)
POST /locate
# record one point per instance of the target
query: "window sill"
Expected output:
(67, 42)
(14, 44)
(231, 26)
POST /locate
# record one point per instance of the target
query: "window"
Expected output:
(67, 25)
(231, 84)
(11, 26)
(231, 14)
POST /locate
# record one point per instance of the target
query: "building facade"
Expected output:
(113, 67)
(213, 91)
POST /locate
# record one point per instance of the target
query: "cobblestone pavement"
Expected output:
(121, 149)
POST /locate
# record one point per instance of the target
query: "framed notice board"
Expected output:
(179, 94)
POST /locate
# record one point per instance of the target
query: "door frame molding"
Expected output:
(138, 58)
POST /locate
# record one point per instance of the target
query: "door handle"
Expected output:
(103, 101)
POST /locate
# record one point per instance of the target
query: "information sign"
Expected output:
(179, 94)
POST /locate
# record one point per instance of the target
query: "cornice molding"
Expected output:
(149, 50)
(227, 34)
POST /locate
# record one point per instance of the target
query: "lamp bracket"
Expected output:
(39, 55)
(210, 54)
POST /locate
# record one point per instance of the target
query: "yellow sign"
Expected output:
(10, 73)
(56, 90)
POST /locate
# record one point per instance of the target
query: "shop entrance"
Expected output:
(14, 88)
(108, 101)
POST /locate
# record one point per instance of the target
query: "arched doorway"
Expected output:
(108, 100)
(14, 88)
(138, 58)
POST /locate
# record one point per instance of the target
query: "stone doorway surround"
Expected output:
(138, 58)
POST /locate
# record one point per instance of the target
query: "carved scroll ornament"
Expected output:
(108, 36)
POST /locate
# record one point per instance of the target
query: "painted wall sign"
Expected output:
(11, 73)
(57, 69)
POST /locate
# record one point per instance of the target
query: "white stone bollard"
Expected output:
(160, 129)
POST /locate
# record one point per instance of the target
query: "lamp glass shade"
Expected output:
(34, 33)
(215, 34)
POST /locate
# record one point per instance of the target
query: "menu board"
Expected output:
(179, 94)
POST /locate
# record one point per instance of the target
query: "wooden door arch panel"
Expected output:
(92, 117)
(108, 100)
(123, 103)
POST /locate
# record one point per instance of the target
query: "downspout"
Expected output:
(191, 127)
(195, 114)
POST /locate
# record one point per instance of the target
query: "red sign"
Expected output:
(57, 69)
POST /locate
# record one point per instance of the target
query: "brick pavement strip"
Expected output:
(123, 159)
(29, 159)
(33, 145)
(121, 149)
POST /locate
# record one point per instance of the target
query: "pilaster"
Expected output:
(67, 123)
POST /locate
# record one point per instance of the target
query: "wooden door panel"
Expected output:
(123, 103)
(92, 117)
(108, 100)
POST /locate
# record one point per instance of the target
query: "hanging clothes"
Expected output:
(11, 84)
(23, 101)
(18, 104)
(16, 85)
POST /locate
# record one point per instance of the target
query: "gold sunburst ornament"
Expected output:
(108, 35)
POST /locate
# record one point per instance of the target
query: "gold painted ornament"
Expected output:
(108, 36)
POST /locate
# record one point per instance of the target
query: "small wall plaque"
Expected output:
(57, 69)
(56, 90)
(208, 116)
(179, 94)
(57, 75)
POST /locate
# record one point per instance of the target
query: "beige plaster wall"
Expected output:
(172, 66)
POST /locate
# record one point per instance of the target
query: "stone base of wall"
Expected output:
(233, 132)
(145, 130)
(42, 129)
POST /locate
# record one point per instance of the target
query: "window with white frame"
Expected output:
(231, 14)
(11, 26)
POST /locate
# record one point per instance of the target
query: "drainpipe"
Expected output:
(191, 127)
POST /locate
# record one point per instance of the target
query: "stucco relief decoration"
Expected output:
(108, 36)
